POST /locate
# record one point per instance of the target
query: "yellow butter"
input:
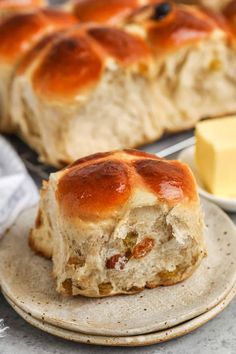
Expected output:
(216, 155)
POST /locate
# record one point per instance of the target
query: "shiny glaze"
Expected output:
(34, 52)
(97, 187)
(107, 11)
(94, 190)
(27, 29)
(90, 158)
(119, 44)
(75, 59)
(181, 25)
(71, 64)
(102, 11)
(19, 4)
(169, 180)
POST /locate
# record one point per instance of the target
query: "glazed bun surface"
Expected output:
(27, 28)
(87, 88)
(8, 7)
(103, 11)
(117, 222)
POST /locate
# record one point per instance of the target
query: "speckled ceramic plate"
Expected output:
(26, 279)
(141, 340)
(228, 204)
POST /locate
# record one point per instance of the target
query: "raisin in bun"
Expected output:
(18, 33)
(97, 88)
(119, 222)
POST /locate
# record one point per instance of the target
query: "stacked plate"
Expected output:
(148, 317)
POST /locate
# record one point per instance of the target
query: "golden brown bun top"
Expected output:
(99, 185)
(107, 11)
(172, 26)
(18, 5)
(181, 21)
(74, 59)
(19, 32)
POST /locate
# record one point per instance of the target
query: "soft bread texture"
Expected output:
(96, 88)
(119, 222)
(40, 240)
(27, 28)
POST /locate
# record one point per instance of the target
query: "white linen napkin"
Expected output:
(17, 192)
(17, 189)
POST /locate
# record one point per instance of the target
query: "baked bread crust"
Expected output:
(229, 12)
(8, 7)
(119, 222)
(151, 57)
(103, 11)
(153, 61)
(26, 28)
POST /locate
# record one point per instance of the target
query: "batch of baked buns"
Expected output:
(93, 80)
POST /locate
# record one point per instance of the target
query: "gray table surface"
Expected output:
(216, 337)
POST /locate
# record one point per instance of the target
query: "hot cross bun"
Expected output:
(117, 222)
(18, 33)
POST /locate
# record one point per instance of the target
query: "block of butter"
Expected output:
(215, 155)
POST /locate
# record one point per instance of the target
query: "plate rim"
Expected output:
(129, 341)
(217, 300)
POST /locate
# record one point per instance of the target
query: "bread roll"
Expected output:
(85, 80)
(119, 222)
(18, 33)
(97, 88)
